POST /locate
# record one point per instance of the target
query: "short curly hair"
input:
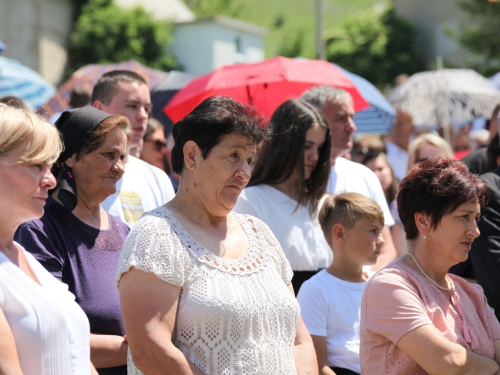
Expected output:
(436, 187)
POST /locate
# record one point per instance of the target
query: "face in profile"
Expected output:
(133, 101)
(452, 238)
(381, 167)
(24, 186)
(315, 139)
(97, 172)
(340, 117)
(154, 148)
(364, 241)
(220, 178)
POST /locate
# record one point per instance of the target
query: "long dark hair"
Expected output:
(284, 152)
(392, 191)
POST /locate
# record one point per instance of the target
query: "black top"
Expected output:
(476, 160)
(485, 253)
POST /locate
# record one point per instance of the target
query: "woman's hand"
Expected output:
(437, 355)
(9, 360)
(108, 350)
(149, 308)
(305, 356)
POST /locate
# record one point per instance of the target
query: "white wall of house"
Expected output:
(207, 44)
(36, 34)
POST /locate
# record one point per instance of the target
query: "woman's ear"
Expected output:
(191, 155)
(423, 222)
(70, 162)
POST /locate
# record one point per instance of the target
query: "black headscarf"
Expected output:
(75, 127)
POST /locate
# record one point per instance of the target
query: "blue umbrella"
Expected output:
(379, 117)
(19, 80)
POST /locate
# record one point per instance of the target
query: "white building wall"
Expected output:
(202, 47)
(36, 34)
(192, 47)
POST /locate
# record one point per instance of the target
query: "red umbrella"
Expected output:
(88, 75)
(265, 85)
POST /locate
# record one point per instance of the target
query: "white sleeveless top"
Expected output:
(234, 316)
(51, 331)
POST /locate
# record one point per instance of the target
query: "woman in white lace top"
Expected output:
(204, 290)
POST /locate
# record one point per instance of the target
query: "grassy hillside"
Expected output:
(287, 19)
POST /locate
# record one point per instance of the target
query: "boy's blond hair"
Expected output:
(347, 209)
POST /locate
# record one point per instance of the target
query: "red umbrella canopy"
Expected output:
(265, 85)
(88, 75)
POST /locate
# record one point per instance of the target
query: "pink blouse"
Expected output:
(399, 299)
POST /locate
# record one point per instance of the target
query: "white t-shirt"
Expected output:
(299, 235)
(142, 188)
(331, 308)
(52, 333)
(348, 176)
(398, 159)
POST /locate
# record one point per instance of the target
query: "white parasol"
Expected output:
(443, 97)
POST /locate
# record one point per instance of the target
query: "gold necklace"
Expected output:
(452, 289)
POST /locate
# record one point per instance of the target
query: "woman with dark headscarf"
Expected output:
(76, 240)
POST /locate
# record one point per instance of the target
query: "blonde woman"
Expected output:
(42, 329)
(425, 146)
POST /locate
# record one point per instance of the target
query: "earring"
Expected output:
(425, 237)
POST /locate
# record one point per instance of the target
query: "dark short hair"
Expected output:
(79, 97)
(284, 152)
(210, 121)
(436, 187)
(106, 87)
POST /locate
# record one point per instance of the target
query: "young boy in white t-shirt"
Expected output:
(330, 301)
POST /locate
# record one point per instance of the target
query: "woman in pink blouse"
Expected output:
(415, 317)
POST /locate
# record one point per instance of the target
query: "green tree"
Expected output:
(106, 33)
(377, 47)
(204, 8)
(481, 37)
(292, 44)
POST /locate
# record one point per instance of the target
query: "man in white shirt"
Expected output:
(143, 187)
(346, 176)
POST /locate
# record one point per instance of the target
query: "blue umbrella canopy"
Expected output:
(19, 80)
(379, 117)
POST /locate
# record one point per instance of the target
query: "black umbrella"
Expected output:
(164, 92)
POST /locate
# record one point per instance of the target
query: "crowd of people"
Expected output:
(243, 245)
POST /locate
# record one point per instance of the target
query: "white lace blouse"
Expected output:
(235, 316)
